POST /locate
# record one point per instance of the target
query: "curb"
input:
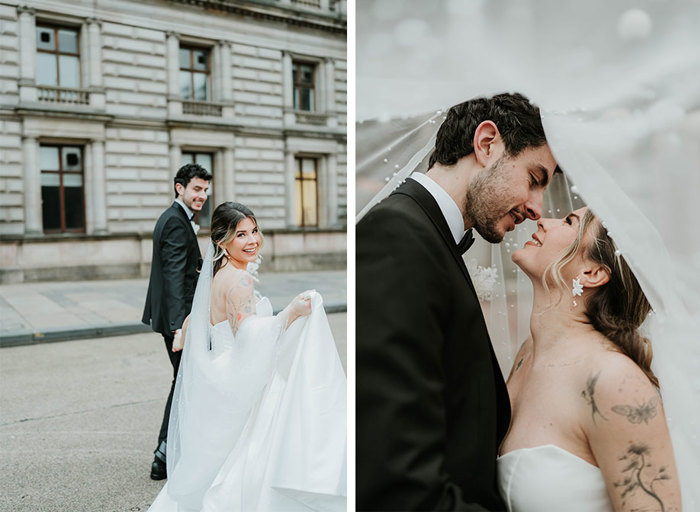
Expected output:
(26, 337)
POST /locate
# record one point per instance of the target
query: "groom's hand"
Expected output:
(178, 342)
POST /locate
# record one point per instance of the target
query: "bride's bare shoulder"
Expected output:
(233, 280)
(611, 382)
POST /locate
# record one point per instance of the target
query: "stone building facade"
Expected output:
(102, 102)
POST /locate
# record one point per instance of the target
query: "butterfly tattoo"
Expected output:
(637, 414)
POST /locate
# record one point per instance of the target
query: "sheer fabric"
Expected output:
(258, 419)
(618, 85)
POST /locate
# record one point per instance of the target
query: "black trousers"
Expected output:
(175, 361)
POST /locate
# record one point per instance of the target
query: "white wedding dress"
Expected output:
(259, 417)
(550, 479)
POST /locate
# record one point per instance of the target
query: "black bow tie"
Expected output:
(466, 242)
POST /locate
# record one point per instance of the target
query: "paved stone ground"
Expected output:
(79, 420)
(55, 311)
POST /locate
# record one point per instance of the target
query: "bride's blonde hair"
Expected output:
(617, 308)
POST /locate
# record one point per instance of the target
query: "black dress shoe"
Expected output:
(158, 471)
(158, 468)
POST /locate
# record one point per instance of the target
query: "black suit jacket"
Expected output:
(432, 406)
(174, 271)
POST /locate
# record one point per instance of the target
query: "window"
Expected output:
(306, 192)
(194, 74)
(58, 57)
(203, 218)
(303, 80)
(62, 199)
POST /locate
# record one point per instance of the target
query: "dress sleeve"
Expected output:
(401, 412)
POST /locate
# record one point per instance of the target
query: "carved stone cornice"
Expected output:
(284, 13)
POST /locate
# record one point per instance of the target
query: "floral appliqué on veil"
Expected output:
(483, 278)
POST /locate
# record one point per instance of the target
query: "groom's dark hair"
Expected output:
(517, 119)
(187, 172)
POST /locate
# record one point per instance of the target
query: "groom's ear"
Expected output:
(595, 276)
(488, 144)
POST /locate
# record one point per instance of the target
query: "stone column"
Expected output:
(94, 63)
(332, 189)
(322, 192)
(289, 169)
(320, 87)
(32, 187)
(226, 79)
(229, 175)
(325, 5)
(99, 195)
(27, 54)
(175, 163)
(287, 89)
(330, 93)
(88, 188)
(172, 63)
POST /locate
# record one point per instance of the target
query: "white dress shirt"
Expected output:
(190, 215)
(447, 205)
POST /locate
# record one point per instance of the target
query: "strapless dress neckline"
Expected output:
(548, 478)
(549, 447)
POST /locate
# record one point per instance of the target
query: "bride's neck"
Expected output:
(555, 322)
(235, 264)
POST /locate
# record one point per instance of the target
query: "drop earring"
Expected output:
(576, 290)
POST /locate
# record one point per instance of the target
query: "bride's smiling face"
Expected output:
(552, 238)
(244, 246)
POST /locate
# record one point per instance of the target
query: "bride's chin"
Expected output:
(516, 257)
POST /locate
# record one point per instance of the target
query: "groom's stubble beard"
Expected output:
(487, 201)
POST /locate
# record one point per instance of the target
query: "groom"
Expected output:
(432, 406)
(174, 266)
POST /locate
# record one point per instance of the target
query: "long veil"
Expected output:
(618, 85)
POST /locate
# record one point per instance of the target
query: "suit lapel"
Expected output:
(183, 215)
(426, 201)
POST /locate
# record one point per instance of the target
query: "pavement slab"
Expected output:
(58, 311)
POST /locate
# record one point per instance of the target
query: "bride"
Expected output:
(588, 431)
(258, 418)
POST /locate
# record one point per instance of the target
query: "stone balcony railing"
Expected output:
(63, 95)
(308, 3)
(202, 108)
(312, 118)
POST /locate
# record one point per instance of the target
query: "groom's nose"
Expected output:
(533, 207)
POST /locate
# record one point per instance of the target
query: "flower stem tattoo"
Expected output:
(636, 460)
(638, 413)
(589, 395)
